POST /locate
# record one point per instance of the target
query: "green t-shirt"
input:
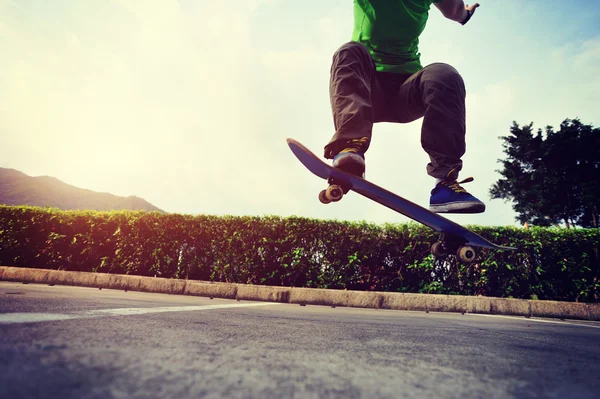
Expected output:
(390, 30)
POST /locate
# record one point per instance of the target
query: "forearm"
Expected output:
(458, 12)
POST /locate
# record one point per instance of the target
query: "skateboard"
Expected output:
(454, 238)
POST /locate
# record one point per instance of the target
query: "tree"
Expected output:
(552, 178)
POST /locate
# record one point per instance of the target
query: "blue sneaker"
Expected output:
(449, 197)
(352, 158)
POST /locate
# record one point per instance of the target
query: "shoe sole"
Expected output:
(458, 207)
(351, 163)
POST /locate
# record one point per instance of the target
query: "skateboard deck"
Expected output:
(454, 237)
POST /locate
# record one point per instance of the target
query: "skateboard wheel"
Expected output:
(466, 254)
(323, 197)
(437, 249)
(334, 193)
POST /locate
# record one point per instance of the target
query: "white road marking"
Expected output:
(9, 318)
(12, 318)
(531, 319)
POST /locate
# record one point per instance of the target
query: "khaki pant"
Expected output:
(361, 96)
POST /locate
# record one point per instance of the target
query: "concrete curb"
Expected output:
(309, 296)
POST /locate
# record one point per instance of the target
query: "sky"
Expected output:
(188, 103)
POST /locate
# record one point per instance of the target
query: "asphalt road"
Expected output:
(70, 342)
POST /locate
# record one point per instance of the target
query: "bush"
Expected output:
(550, 263)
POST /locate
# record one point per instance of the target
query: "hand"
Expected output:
(471, 8)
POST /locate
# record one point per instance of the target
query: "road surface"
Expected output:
(73, 342)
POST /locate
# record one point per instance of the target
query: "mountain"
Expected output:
(17, 188)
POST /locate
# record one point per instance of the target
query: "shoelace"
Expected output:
(455, 185)
(355, 145)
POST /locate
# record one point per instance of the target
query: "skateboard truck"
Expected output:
(334, 192)
(449, 243)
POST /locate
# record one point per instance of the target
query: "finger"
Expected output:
(472, 8)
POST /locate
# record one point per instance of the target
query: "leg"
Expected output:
(350, 91)
(437, 93)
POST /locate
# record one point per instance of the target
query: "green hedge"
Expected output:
(550, 263)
